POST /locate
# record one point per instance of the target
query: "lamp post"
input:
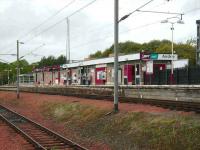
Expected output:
(8, 75)
(180, 21)
(116, 45)
(68, 41)
(18, 67)
(116, 34)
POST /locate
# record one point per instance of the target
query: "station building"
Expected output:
(26, 79)
(132, 70)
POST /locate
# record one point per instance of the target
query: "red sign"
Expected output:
(145, 56)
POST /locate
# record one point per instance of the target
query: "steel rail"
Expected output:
(171, 104)
(35, 143)
(26, 136)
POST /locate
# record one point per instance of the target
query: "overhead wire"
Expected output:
(102, 27)
(48, 28)
(46, 20)
(75, 12)
(126, 30)
(113, 23)
(58, 22)
(127, 15)
(87, 43)
(85, 6)
(122, 32)
(30, 52)
(4, 61)
(131, 28)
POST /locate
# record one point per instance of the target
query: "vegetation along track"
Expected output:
(40, 137)
(170, 104)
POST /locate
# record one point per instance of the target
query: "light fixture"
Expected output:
(164, 21)
(180, 22)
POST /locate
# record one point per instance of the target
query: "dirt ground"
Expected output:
(10, 140)
(29, 105)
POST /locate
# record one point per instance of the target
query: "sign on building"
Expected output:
(154, 56)
(167, 57)
(149, 67)
(144, 56)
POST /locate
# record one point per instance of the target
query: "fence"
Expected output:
(189, 75)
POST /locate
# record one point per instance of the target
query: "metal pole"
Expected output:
(68, 41)
(8, 76)
(172, 63)
(116, 15)
(127, 70)
(17, 69)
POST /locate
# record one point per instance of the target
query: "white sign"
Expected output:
(149, 67)
(168, 66)
(181, 63)
(63, 66)
(101, 65)
(167, 57)
(101, 75)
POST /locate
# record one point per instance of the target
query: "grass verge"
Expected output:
(128, 130)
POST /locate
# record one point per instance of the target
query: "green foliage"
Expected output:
(98, 54)
(61, 60)
(25, 67)
(128, 47)
(128, 130)
(51, 60)
(184, 50)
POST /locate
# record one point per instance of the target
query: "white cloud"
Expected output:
(92, 28)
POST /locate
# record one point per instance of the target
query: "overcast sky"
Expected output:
(91, 29)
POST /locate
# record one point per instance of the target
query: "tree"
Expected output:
(49, 61)
(98, 54)
(184, 50)
(61, 60)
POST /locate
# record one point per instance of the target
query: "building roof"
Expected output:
(102, 61)
(122, 58)
(26, 75)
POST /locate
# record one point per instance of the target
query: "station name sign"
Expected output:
(156, 56)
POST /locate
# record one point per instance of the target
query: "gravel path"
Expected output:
(10, 140)
(29, 105)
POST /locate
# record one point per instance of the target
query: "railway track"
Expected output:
(38, 136)
(10, 139)
(170, 104)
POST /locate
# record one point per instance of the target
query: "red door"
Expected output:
(128, 72)
(100, 76)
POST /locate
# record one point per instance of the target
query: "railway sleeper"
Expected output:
(52, 142)
(44, 138)
(34, 130)
(58, 148)
(39, 134)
